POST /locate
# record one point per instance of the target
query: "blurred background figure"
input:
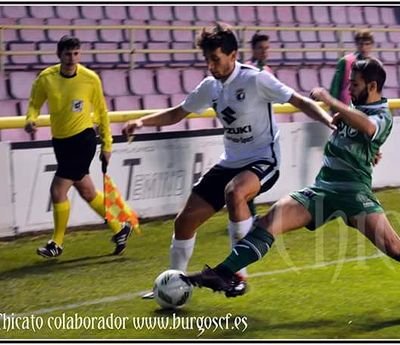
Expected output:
(259, 47)
(364, 41)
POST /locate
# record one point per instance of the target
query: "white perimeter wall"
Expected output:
(156, 176)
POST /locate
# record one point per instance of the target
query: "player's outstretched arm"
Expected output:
(311, 109)
(353, 117)
(163, 118)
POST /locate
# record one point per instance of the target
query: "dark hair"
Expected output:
(219, 36)
(363, 35)
(68, 42)
(258, 38)
(371, 69)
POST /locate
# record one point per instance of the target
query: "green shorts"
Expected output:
(325, 205)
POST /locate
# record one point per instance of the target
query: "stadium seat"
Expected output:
(302, 14)
(42, 12)
(379, 36)
(284, 15)
(183, 58)
(115, 82)
(183, 35)
(191, 77)
(327, 36)
(331, 56)
(15, 12)
(3, 86)
(246, 15)
(293, 56)
(87, 58)
(288, 76)
(203, 123)
(107, 58)
(391, 76)
(23, 107)
(22, 59)
(20, 84)
(138, 58)
(116, 12)
(67, 12)
(9, 107)
(9, 34)
(307, 36)
(339, 15)
(266, 15)
(160, 59)
(320, 15)
(388, 57)
(355, 15)
(226, 14)
(43, 133)
(177, 98)
(54, 35)
(14, 135)
(110, 35)
(308, 79)
(372, 16)
(127, 103)
(394, 37)
(205, 13)
(185, 13)
(47, 59)
(288, 36)
(275, 56)
(326, 75)
(139, 35)
(163, 13)
(155, 102)
(159, 35)
(31, 35)
(92, 12)
(388, 16)
(139, 12)
(316, 56)
(141, 82)
(168, 81)
(86, 35)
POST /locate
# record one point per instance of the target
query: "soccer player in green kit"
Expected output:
(341, 189)
(72, 91)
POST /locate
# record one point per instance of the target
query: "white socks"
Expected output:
(236, 232)
(180, 253)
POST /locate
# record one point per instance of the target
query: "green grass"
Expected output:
(339, 299)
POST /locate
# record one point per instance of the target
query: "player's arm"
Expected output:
(163, 118)
(353, 117)
(336, 84)
(311, 109)
(102, 119)
(37, 98)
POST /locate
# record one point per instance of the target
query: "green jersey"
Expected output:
(348, 155)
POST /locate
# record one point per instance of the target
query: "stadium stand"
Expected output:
(163, 79)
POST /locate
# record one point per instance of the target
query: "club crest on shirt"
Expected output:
(240, 94)
(77, 105)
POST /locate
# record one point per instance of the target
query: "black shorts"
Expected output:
(211, 186)
(75, 154)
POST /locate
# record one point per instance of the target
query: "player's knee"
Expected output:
(234, 196)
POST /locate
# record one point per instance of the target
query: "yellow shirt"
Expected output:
(70, 102)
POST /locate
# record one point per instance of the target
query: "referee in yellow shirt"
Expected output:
(72, 92)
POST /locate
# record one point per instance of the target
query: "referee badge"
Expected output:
(77, 105)
(240, 95)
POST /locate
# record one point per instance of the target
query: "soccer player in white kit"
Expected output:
(242, 98)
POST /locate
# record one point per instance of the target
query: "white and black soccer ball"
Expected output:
(170, 291)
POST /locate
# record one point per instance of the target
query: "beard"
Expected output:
(361, 98)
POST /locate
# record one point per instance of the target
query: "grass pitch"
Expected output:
(327, 284)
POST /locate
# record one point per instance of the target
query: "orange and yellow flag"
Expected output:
(116, 207)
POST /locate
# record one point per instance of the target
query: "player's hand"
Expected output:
(130, 127)
(105, 156)
(30, 127)
(320, 94)
(377, 158)
(336, 118)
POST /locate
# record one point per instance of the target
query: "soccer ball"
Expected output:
(170, 291)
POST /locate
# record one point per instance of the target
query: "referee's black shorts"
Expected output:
(211, 186)
(75, 154)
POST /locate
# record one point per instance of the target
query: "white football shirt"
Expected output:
(243, 104)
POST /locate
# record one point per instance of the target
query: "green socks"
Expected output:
(249, 249)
